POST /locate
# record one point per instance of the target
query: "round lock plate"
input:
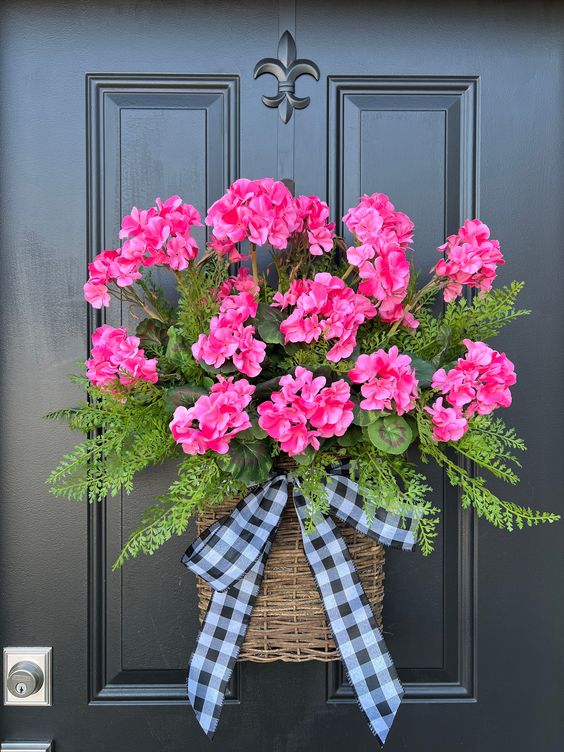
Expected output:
(25, 679)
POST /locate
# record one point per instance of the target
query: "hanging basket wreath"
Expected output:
(329, 356)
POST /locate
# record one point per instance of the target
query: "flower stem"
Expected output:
(254, 264)
(131, 296)
(348, 272)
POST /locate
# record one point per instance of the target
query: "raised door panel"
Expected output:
(148, 136)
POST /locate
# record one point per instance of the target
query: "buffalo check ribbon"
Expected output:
(231, 555)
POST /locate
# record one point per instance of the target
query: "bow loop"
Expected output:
(347, 503)
(229, 548)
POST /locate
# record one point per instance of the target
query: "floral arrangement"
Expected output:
(332, 352)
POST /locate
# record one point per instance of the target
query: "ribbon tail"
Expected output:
(219, 643)
(363, 651)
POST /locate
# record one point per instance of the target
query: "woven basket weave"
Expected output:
(288, 621)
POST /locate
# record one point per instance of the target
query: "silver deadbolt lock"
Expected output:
(25, 679)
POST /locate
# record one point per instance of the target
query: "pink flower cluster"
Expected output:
(313, 215)
(159, 236)
(305, 410)
(228, 337)
(376, 218)
(326, 307)
(219, 416)
(116, 356)
(388, 381)
(384, 235)
(471, 259)
(264, 211)
(258, 210)
(479, 383)
(241, 282)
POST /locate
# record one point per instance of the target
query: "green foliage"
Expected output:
(439, 336)
(200, 484)
(313, 481)
(124, 437)
(473, 489)
(156, 298)
(485, 316)
(391, 434)
(197, 304)
(247, 461)
(489, 443)
(313, 357)
(393, 483)
(267, 322)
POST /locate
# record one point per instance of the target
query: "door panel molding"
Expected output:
(119, 106)
(451, 105)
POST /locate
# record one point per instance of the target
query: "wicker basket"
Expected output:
(288, 621)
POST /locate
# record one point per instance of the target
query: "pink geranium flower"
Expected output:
(305, 410)
(215, 418)
(471, 258)
(241, 282)
(159, 236)
(313, 220)
(388, 381)
(375, 220)
(228, 338)
(326, 307)
(262, 211)
(115, 356)
(480, 382)
(448, 423)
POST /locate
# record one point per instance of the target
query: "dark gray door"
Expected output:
(454, 110)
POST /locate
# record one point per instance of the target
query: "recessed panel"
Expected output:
(415, 139)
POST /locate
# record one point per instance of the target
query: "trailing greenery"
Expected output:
(200, 484)
(124, 437)
(486, 436)
(391, 482)
(440, 335)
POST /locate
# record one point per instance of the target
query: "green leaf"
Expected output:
(248, 461)
(444, 337)
(268, 322)
(174, 342)
(390, 434)
(153, 335)
(254, 433)
(307, 457)
(226, 368)
(352, 437)
(424, 370)
(185, 395)
(365, 417)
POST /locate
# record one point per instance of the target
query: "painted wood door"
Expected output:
(453, 110)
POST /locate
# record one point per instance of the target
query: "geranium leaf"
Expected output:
(424, 370)
(306, 457)
(268, 322)
(254, 433)
(185, 395)
(352, 437)
(390, 434)
(248, 461)
(365, 417)
(153, 335)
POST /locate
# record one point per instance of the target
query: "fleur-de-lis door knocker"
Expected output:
(286, 69)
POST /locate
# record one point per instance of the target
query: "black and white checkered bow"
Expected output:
(231, 554)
